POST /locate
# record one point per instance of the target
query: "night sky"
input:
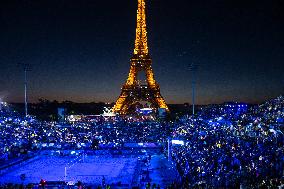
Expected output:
(80, 50)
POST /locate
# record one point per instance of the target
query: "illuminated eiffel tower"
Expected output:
(133, 91)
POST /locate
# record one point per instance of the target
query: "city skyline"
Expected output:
(81, 51)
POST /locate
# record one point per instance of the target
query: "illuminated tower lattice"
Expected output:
(133, 91)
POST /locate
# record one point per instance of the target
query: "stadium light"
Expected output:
(26, 67)
(193, 68)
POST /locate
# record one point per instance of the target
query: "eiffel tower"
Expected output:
(133, 91)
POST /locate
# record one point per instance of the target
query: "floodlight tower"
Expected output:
(26, 67)
(193, 68)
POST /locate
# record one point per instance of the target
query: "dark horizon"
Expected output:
(112, 103)
(80, 51)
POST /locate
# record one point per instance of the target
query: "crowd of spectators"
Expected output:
(232, 146)
(21, 136)
(229, 145)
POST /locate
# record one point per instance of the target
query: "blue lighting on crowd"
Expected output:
(222, 145)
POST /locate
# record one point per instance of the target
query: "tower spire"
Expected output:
(141, 42)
